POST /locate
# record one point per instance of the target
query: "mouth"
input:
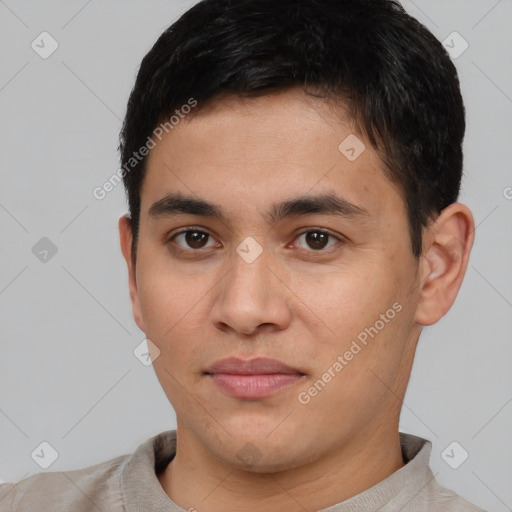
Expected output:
(252, 379)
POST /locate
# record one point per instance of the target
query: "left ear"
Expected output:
(447, 247)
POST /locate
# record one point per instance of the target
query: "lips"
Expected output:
(258, 366)
(252, 379)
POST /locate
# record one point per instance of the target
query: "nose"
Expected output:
(252, 297)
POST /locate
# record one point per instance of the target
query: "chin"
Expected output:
(266, 461)
(256, 451)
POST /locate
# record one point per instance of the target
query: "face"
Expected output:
(261, 238)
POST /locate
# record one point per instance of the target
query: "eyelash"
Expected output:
(194, 229)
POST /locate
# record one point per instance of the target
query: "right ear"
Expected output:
(126, 237)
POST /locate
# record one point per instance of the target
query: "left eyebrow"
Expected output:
(330, 204)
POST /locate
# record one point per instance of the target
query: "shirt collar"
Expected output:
(142, 490)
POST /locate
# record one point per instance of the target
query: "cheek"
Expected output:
(171, 307)
(175, 304)
(363, 315)
(348, 299)
(167, 296)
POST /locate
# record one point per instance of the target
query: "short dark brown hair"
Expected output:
(400, 84)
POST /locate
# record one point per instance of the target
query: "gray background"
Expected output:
(67, 369)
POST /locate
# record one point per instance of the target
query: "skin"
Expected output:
(296, 303)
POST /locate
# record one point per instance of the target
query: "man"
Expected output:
(292, 170)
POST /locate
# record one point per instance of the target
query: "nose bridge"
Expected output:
(250, 294)
(250, 275)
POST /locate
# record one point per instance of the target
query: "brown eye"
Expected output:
(317, 240)
(192, 239)
(196, 239)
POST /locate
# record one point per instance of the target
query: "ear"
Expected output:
(126, 236)
(447, 247)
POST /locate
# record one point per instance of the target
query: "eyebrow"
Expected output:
(330, 204)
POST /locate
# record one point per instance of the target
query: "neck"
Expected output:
(196, 480)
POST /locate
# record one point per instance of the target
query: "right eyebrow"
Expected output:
(176, 204)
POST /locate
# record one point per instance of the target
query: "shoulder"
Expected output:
(440, 499)
(422, 492)
(91, 488)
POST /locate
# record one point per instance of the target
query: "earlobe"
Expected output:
(444, 262)
(125, 237)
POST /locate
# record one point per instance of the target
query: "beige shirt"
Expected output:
(129, 483)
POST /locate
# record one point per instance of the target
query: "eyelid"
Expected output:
(184, 229)
(339, 238)
(169, 238)
(319, 230)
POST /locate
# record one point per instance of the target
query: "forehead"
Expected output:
(250, 152)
